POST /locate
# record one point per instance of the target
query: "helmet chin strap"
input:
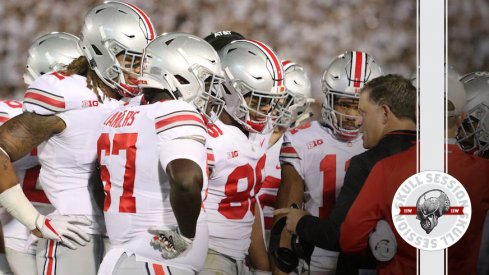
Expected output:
(128, 91)
(345, 136)
(259, 127)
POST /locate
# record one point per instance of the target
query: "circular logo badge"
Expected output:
(431, 210)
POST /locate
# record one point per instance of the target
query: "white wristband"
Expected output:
(17, 205)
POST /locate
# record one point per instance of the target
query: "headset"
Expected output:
(284, 258)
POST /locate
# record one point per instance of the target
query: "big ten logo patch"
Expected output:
(314, 143)
(232, 154)
(431, 210)
(89, 103)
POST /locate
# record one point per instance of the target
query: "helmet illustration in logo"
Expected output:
(430, 206)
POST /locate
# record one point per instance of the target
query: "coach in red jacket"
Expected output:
(375, 200)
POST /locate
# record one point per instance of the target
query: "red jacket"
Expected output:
(375, 199)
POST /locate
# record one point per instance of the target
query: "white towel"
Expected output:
(382, 242)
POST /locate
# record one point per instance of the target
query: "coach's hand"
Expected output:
(293, 217)
(171, 243)
(63, 229)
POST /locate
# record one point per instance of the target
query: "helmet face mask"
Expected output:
(188, 67)
(258, 111)
(209, 100)
(344, 78)
(254, 90)
(333, 112)
(263, 108)
(473, 134)
(127, 67)
(115, 33)
(299, 89)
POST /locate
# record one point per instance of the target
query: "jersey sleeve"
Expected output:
(289, 154)
(4, 116)
(182, 133)
(179, 120)
(44, 96)
(9, 109)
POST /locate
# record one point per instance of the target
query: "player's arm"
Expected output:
(183, 156)
(22, 133)
(325, 233)
(258, 251)
(364, 213)
(19, 136)
(291, 191)
(186, 180)
(184, 160)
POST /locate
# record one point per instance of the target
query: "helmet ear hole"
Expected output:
(96, 50)
(181, 79)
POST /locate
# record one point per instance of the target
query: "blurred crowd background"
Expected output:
(309, 32)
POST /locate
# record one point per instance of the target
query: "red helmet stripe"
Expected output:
(146, 20)
(359, 61)
(276, 64)
(286, 64)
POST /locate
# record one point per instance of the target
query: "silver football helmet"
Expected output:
(188, 67)
(254, 90)
(50, 52)
(298, 87)
(344, 78)
(474, 133)
(111, 29)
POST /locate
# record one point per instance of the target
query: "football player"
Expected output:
(473, 137)
(253, 91)
(48, 53)
(315, 156)
(298, 86)
(153, 162)
(63, 111)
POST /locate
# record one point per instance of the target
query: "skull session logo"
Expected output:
(431, 210)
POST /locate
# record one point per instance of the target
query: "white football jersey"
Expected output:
(135, 145)
(269, 188)
(9, 109)
(69, 158)
(236, 165)
(27, 171)
(321, 160)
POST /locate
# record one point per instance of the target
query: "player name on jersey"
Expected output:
(121, 119)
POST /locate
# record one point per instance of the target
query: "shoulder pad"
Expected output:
(54, 93)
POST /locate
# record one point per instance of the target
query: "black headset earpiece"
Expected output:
(284, 258)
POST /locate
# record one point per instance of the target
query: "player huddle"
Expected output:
(138, 153)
